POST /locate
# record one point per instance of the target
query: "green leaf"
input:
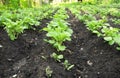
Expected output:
(51, 41)
(118, 48)
(117, 39)
(61, 48)
(71, 66)
(54, 55)
(52, 34)
(57, 57)
(111, 42)
(69, 30)
(98, 33)
(45, 29)
(60, 56)
(108, 38)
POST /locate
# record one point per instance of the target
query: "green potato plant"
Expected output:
(58, 31)
(99, 25)
(67, 65)
(109, 33)
(116, 21)
(112, 36)
(48, 72)
(13, 28)
(57, 57)
(16, 21)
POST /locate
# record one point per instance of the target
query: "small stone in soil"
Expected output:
(79, 77)
(101, 53)
(1, 46)
(78, 71)
(98, 72)
(74, 36)
(15, 75)
(86, 76)
(9, 59)
(81, 49)
(89, 63)
(69, 51)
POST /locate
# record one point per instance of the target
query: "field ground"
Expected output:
(92, 56)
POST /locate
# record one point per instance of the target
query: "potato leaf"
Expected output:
(108, 38)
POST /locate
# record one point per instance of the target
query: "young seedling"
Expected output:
(48, 72)
(57, 57)
(67, 65)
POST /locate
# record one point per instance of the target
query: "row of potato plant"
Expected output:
(16, 21)
(99, 25)
(58, 32)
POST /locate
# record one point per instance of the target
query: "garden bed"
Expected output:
(29, 55)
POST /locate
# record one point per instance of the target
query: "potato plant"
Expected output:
(58, 30)
(16, 21)
(99, 25)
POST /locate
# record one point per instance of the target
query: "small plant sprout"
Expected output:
(57, 57)
(67, 65)
(48, 72)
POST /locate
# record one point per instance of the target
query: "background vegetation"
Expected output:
(37, 3)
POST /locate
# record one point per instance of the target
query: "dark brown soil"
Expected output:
(92, 57)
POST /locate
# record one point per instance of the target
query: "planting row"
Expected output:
(16, 21)
(96, 20)
(58, 32)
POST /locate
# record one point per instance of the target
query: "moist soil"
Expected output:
(29, 55)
